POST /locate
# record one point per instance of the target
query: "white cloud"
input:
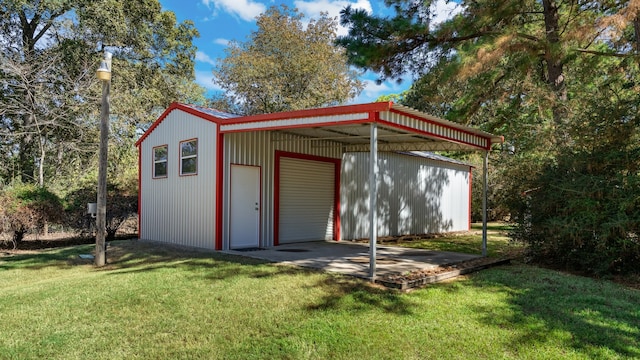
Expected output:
(205, 79)
(246, 10)
(221, 41)
(443, 10)
(202, 57)
(312, 9)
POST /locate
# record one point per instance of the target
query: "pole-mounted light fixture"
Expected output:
(104, 71)
(104, 75)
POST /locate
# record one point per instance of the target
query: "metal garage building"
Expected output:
(214, 180)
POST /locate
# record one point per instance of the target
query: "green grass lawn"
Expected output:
(155, 302)
(498, 242)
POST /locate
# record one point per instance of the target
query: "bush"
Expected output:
(584, 212)
(122, 204)
(25, 207)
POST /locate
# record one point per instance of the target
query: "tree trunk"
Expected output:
(41, 166)
(27, 165)
(555, 69)
(636, 28)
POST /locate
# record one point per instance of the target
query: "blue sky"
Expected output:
(220, 21)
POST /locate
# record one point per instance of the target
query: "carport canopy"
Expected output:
(373, 127)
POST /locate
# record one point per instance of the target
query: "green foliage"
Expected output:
(396, 98)
(285, 66)
(122, 205)
(582, 209)
(582, 217)
(565, 99)
(50, 98)
(26, 207)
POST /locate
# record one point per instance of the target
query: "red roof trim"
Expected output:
(299, 126)
(438, 123)
(182, 107)
(429, 134)
(335, 110)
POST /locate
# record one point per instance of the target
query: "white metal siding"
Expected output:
(306, 200)
(258, 149)
(415, 195)
(180, 209)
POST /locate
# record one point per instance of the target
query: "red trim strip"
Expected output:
(329, 123)
(178, 106)
(337, 231)
(139, 192)
(219, 182)
(276, 193)
(276, 200)
(470, 193)
(335, 110)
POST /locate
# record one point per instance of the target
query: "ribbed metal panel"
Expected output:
(306, 200)
(180, 209)
(293, 122)
(440, 130)
(415, 195)
(258, 149)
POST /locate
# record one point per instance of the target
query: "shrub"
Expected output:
(583, 213)
(122, 204)
(25, 207)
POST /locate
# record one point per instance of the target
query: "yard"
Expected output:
(160, 302)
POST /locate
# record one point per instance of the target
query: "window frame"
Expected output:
(182, 158)
(154, 162)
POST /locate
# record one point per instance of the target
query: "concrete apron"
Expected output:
(353, 258)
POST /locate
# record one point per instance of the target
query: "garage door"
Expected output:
(306, 200)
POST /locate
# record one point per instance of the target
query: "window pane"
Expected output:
(160, 169)
(189, 166)
(160, 153)
(189, 148)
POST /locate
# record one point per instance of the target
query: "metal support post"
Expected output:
(373, 195)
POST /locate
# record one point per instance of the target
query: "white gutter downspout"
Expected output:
(484, 202)
(373, 195)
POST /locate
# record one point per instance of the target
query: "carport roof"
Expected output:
(400, 128)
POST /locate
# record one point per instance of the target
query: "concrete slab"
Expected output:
(353, 258)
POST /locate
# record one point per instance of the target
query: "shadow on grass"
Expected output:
(59, 258)
(345, 293)
(594, 317)
(341, 292)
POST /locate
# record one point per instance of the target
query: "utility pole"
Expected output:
(104, 75)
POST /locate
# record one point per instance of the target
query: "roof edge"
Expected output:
(177, 106)
(324, 111)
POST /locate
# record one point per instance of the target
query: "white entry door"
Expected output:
(244, 219)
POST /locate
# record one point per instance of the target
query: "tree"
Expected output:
(49, 93)
(285, 66)
(556, 78)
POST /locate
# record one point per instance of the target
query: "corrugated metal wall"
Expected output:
(258, 149)
(180, 209)
(415, 195)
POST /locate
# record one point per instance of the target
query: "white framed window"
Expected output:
(189, 157)
(160, 161)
